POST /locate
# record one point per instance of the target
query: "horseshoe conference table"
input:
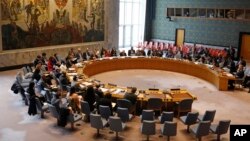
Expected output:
(217, 77)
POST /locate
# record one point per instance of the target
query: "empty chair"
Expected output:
(105, 111)
(85, 109)
(154, 104)
(147, 115)
(148, 128)
(22, 82)
(116, 124)
(72, 118)
(97, 122)
(46, 93)
(201, 129)
(29, 68)
(25, 71)
(123, 113)
(27, 97)
(189, 119)
(124, 103)
(220, 128)
(53, 111)
(208, 116)
(184, 105)
(166, 116)
(169, 128)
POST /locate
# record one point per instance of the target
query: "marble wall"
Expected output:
(25, 56)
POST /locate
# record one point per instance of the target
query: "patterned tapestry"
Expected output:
(38, 23)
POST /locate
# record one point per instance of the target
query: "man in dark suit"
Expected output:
(231, 66)
(86, 55)
(131, 52)
(106, 101)
(123, 53)
(64, 81)
(132, 97)
(98, 91)
(79, 54)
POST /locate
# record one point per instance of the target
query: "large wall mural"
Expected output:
(37, 23)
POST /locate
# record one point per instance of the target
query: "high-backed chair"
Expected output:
(97, 122)
(124, 103)
(25, 71)
(123, 113)
(85, 109)
(41, 108)
(72, 118)
(220, 128)
(208, 116)
(154, 104)
(29, 68)
(189, 119)
(147, 115)
(201, 129)
(53, 111)
(148, 128)
(21, 81)
(184, 106)
(116, 124)
(27, 97)
(169, 128)
(105, 111)
(166, 116)
(47, 94)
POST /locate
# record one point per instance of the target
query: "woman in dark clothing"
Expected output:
(36, 75)
(90, 97)
(32, 94)
(32, 106)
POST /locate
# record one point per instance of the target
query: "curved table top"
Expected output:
(217, 77)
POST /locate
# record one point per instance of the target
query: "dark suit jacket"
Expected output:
(123, 54)
(131, 97)
(90, 98)
(240, 74)
(84, 55)
(232, 67)
(105, 102)
(99, 93)
(79, 55)
(130, 52)
(64, 80)
(36, 75)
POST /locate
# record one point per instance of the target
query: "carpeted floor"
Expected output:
(17, 125)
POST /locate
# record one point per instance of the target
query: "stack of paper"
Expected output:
(72, 74)
(86, 83)
(104, 89)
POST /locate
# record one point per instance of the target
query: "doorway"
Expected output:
(244, 46)
(179, 37)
